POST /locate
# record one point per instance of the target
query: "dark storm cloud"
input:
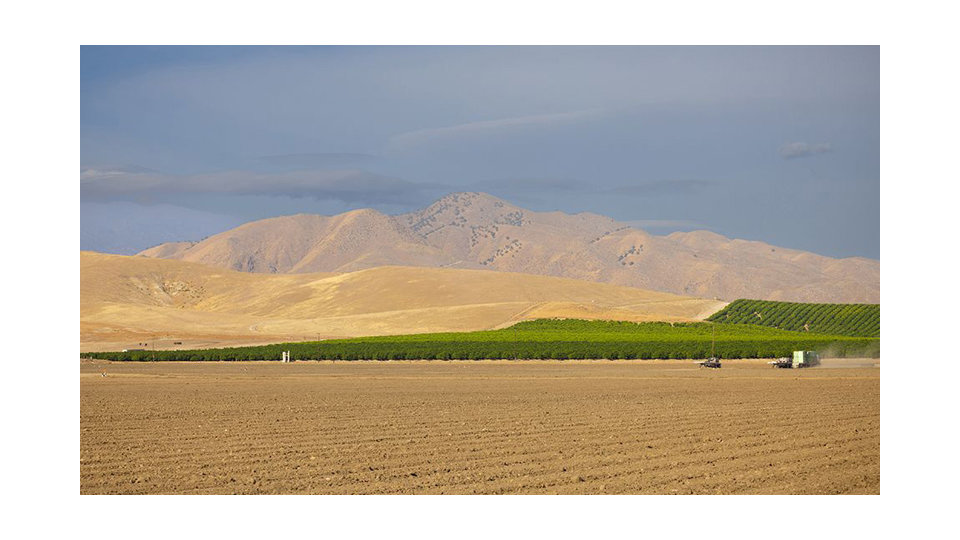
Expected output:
(574, 129)
(349, 186)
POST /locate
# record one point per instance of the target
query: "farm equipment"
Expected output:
(784, 362)
(712, 362)
(801, 359)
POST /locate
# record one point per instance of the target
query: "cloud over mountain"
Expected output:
(801, 149)
(348, 185)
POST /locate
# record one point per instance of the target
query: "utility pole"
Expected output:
(713, 341)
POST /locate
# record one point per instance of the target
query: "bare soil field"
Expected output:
(497, 427)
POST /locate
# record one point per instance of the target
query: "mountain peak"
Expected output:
(469, 209)
(471, 198)
(479, 231)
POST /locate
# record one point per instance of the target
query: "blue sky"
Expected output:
(779, 144)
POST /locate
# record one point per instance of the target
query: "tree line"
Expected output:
(547, 339)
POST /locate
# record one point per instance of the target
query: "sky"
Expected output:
(777, 144)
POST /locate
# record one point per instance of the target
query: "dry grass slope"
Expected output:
(126, 300)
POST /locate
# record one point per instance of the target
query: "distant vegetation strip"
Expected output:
(545, 338)
(857, 320)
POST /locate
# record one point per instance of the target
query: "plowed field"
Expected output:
(576, 427)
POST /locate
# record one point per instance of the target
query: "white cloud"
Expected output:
(802, 149)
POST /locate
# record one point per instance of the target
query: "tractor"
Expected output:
(712, 362)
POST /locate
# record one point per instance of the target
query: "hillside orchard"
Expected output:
(856, 320)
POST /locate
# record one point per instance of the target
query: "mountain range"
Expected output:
(480, 232)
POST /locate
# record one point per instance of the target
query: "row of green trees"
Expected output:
(550, 339)
(858, 320)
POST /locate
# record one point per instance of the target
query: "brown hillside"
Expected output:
(128, 300)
